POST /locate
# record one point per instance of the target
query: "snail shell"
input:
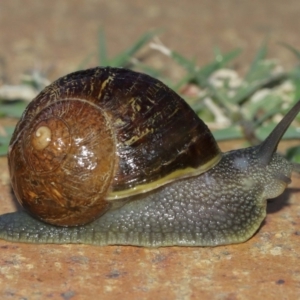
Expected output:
(97, 136)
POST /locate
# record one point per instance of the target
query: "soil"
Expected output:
(57, 37)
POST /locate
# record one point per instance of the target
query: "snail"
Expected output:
(112, 156)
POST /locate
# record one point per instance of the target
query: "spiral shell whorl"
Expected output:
(65, 180)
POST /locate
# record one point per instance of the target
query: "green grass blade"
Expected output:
(292, 49)
(245, 91)
(263, 131)
(260, 55)
(123, 58)
(220, 62)
(200, 76)
(293, 154)
(228, 133)
(224, 59)
(188, 78)
(12, 108)
(5, 140)
(187, 64)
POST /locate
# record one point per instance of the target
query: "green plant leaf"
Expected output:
(187, 64)
(260, 55)
(5, 140)
(295, 51)
(231, 133)
(123, 59)
(13, 109)
(293, 154)
(220, 62)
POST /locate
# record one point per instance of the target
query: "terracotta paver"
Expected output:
(265, 267)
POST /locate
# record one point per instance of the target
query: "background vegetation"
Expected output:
(233, 105)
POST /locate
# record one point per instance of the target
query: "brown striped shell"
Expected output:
(103, 134)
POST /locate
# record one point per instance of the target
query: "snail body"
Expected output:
(116, 157)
